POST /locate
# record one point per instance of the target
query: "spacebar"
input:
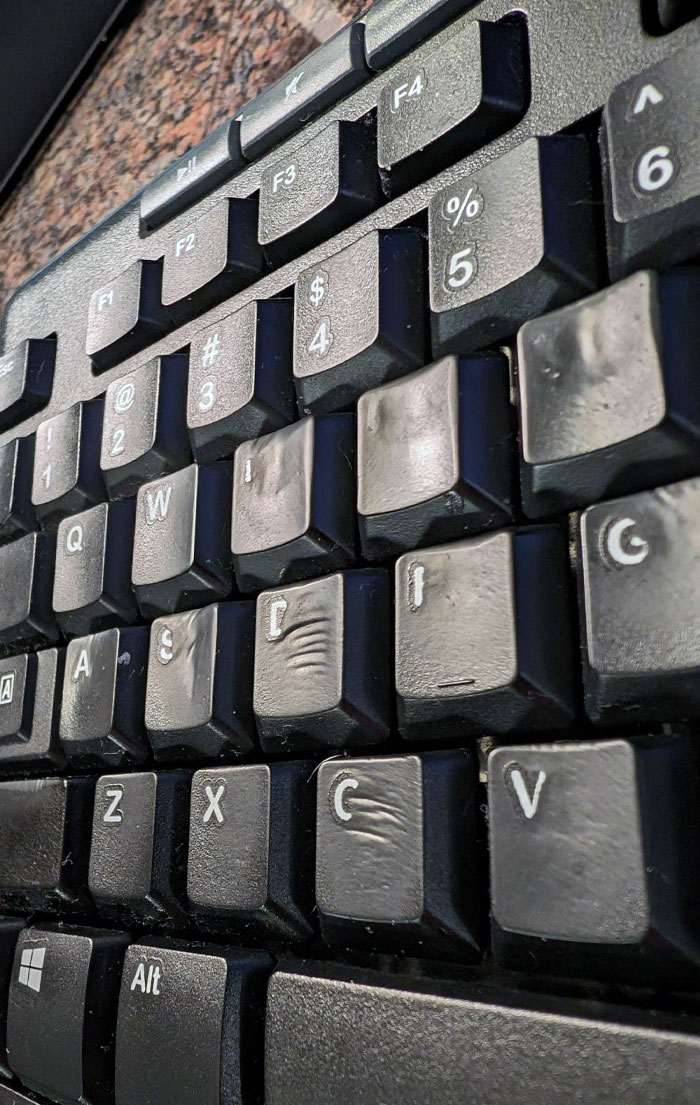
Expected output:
(359, 1039)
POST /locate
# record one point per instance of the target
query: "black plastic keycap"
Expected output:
(322, 655)
(10, 928)
(125, 315)
(484, 636)
(609, 393)
(671, 14)
(103, 698)
(182, 555)
(511, 241)
(293, 513)
(26, 616)
(434, 455)
(30, 698)
(16, 467)
(240, 381)
(26, 379)
(144, 435)
(189, 1027)
(67, 476)
(251, 848)
(393, 27)
(17, 686)
(200, 682)
(398, 854)
(62, 1012)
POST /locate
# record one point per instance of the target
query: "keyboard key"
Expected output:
(609, 395)
(26, 617)
(144, 435)
(16, 467)
(189, 1028)
(673, 13)
(10, 928)
(211, 259)
(392, 27)
(240, 383)
(454, 94)
(30, 692)
(359, 319)
(200, 682)
(317, 82)
(321, 663)
(397, 853)
(182, 555)
(197, 172)
(139, 844)
(250, 857)
(62, 1012)
(125, 315)
(67, 475)
(434, 455)
(317, 189)
(591, 869)
(293, 513)
(44, 843)
(26, 379)
(511, 241)
(103, 699)
(92, 584)
(484, 636)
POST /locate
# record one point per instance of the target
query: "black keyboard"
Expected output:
(350, 603)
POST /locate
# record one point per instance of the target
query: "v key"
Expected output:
(526, 792)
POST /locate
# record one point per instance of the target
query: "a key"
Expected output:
(16, 467)
(509, 242)
(293, 493)
(609, 394)
(240, 383)
(103, 699)
(189, 1028)
(392, 27)
(26, 616)
(434, 455)
(26, 379)
(591, 868)
(251, 846)
(62, 1012)
(484, 636)
(398, 853)
(125, 315)
(317, 189)
(211, 258)
(10, 928)
(454, 94)
(44, 843)
(182, 555)
(92, 582)
(200, 680)
(30, 696)
(144, 434)
(359, 319)
(139, 845)
(322, 654)
(67, 475)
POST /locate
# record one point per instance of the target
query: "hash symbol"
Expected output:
(211, 350)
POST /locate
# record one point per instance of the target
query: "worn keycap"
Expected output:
(322, 656)
(434, 455)
(26, 616)
(359, 319)
(200, 681)
(398, 853)
(240, 381)
(483, 635)
(16, 467)
(103, 698)
(511, 241)
(182, 553)
(10, 928)
(293, 512)
(251, 848)
(144, 434)
(67, 475)
(26, 379)
(125, 314)
(30, 698)
(609, 393)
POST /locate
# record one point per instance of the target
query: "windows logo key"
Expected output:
(31, 967)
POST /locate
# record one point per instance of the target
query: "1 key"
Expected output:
(26, 379)
(125, 315)
(67, 475)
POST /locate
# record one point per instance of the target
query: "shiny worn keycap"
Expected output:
(322, 655)
(398, 853)
(26, 379)
(103, 699)
(26, 616)
(30, 698)
(240, 379)
(144, 435)
(609, 393)
(511, 241)
(16, 468)
(293, 510)
(67, 475)
(125, 315)
(200, 682)
(359, 319)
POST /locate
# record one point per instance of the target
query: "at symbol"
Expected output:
(625, 557)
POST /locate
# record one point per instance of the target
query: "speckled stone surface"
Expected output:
(175, 72)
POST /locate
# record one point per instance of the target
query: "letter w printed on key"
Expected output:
(157, 504)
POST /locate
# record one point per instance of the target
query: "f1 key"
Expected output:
(125, 314)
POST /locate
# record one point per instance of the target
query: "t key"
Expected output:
(67, 475)
(125, 315)
(26, 379)
(26, 616)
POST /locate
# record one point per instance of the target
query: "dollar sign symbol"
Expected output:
(318, 289)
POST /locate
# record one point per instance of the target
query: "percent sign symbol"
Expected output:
(457, 208)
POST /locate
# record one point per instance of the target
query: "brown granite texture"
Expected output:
(176, 71)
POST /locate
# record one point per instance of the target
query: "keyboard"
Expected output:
(349, 546)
